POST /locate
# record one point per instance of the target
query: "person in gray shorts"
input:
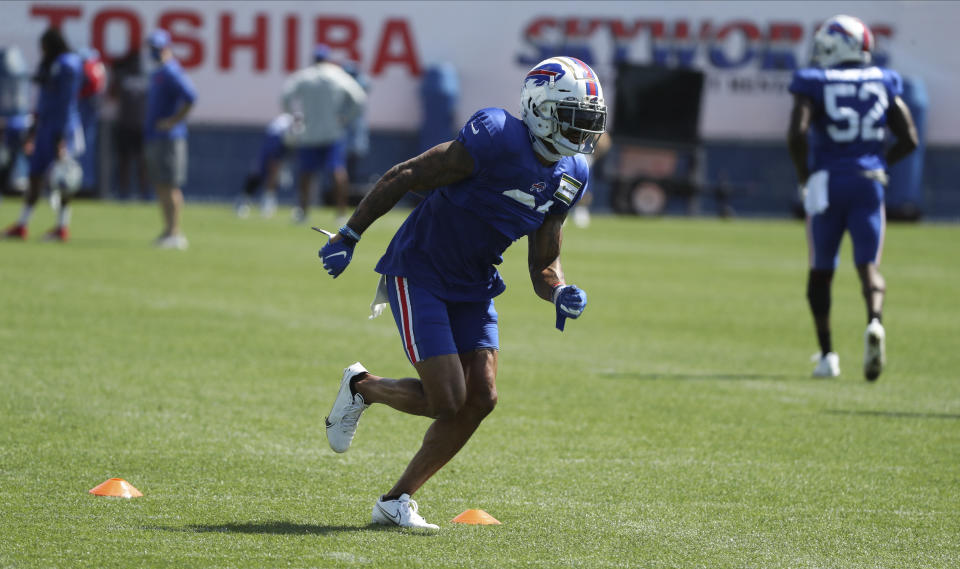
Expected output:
(169, 99)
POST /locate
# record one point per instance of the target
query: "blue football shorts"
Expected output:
(326, 158)
(430, 326)
(271, 150)
(855, 205)
(45, 149)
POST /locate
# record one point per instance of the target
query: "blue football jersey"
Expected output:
(169, 89)
(850, 117)
(452, 241)
(57, 110)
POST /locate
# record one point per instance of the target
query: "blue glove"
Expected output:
(337, 255)
(570, 302)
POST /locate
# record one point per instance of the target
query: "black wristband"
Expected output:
(349, 233)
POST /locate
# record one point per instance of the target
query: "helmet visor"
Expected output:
(581, 124)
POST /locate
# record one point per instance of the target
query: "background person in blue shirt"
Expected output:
(56, 133)
(170, 97)
(843, 107)
(503, 178)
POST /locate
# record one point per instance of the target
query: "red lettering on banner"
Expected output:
(579, 27)
(536, 27)
(192, 56)
(56, 15)
(98, 29)
(339, 34)
(229, 41)
(291, 44)
(407, 56)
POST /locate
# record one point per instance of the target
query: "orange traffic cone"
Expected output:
(476, 517)
(117, 487)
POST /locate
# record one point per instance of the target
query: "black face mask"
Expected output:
(581, 124)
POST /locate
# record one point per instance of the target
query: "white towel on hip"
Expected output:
(380, 299)
(815, 192)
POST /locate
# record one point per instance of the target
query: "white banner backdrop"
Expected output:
(238, 53)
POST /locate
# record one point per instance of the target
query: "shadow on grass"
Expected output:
(893, 414)
(279, 528)
(698, 376)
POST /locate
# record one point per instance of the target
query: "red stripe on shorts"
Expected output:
(403, 295)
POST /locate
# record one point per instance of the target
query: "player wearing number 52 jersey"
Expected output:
(842, 109)
(502, 178)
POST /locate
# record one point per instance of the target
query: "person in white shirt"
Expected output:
(326, 98)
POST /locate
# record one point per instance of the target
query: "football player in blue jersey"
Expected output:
(842, 108)
(57, 134)
(501, 179)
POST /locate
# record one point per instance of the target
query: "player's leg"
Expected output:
(43, 155)
(337, 166)
(439, 392)
(443, 439)
(308, 164)
(824, 233)
(73, 146)
(867, 229)
(427, 338)
(166, 160)
(475, 331)
(271, 180)
(171, 205)
(447, 435)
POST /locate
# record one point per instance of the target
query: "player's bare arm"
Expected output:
(543, 256)
(797, 135)
(443, 164)
(902, 126)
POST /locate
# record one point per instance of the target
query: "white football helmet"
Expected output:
(841, 39)
(66, 175)
(561, 103)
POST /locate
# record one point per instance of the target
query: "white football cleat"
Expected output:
(400, 512)
(242, 209)
(874, 350)
(268, 205)
(178, 242)
(345, 413)
(827, 365)
(297, 215)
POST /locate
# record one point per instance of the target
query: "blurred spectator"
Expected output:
(57, 134)
(169, 99)
(274, 150)
(128, 87)
(327, 99)
(14, 113)
(91, 92)
(439, 92)
(358, 132)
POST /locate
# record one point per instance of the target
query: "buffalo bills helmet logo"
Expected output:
(545, 73)
(835, 29)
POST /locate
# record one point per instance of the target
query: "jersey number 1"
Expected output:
(847, 121)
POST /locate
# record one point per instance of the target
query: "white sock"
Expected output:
(63, 216)
(25, 214)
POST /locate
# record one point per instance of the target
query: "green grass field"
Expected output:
(674, 425)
